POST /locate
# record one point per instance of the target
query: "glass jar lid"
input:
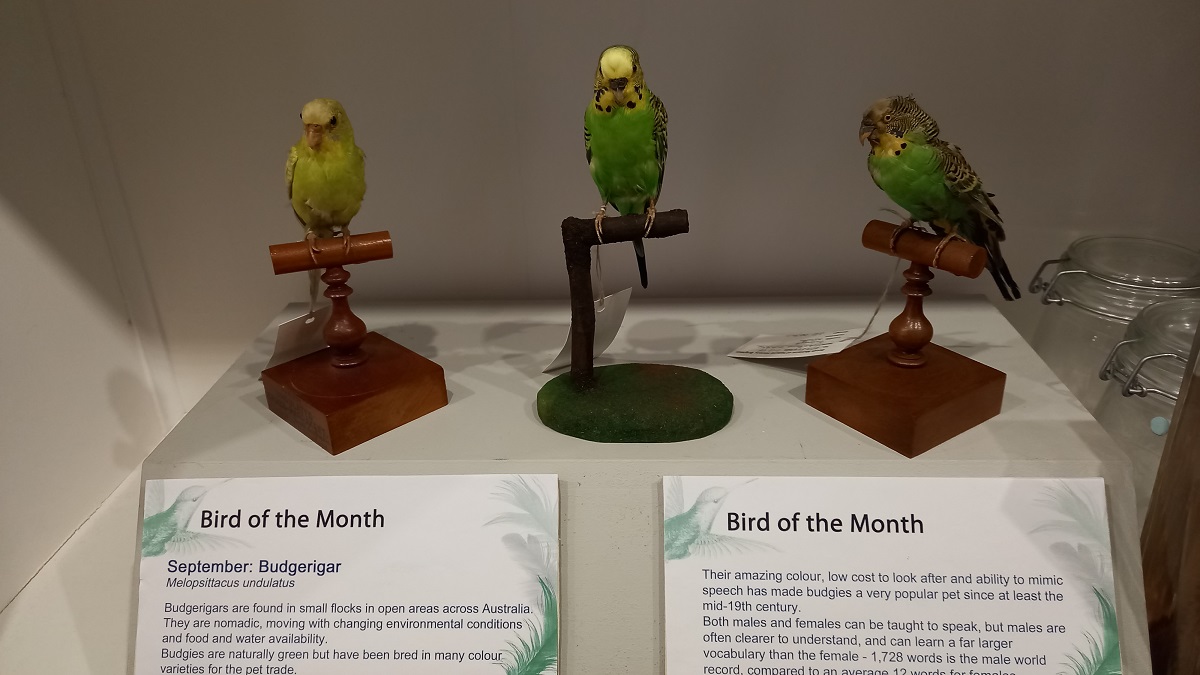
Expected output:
(1152, 358)
(1115, 277)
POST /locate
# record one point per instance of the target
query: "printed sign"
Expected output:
(357, 574)
(887, 576)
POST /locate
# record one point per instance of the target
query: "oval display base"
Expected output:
(637, 403)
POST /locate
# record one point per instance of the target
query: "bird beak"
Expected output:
(864, 132)
(313, 134)
(618, 87)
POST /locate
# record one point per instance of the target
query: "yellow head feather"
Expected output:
(619, 80)
(325, 121)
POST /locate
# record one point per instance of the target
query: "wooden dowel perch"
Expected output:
(579, 235)
(344, 332)
(331, 252)
(959, 258)
(911, 330)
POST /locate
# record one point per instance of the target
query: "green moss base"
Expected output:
(637, 403)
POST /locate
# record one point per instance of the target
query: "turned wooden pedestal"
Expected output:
(338, 408)
(362, 385)
(898, 388)
(910, 410)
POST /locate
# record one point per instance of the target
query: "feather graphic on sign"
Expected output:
(689, 533)
(166, 531)
(536, 552)
(1085, 554)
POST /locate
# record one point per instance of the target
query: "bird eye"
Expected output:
(635, 67)
(887, 117)
(333, 121)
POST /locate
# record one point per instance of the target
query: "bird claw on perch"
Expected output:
(311, 238)
(599, 221)
(649, 218)
(937, 252)
(906, 224)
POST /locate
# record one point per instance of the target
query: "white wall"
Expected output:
(78, 411)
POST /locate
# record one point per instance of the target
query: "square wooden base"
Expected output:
(338, 408)
(910, 410)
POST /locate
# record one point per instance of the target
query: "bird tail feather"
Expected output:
(997, 267)
(313, 278)
(639, 250)
(1008, 278)
(985, 229)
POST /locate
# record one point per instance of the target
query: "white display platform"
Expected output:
(610, 494)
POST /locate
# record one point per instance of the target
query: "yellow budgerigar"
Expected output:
(325, 176)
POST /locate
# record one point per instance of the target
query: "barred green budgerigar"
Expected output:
(625, 139)
(931, 179)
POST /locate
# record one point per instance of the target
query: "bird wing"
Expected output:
(587, 140)
(660, 135)
(713, 544)
(984, 226)
(672, 497)
(155, 501)
(190, 541)
(360, 167)
(964, 182)
(289, 174)
(289, 171)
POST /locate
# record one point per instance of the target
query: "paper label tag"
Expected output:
(797, 346)
(610, 313)
(300, 336)
(887, 576)
(356, 575)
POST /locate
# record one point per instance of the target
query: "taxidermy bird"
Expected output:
(325, 177)
(625, 139)
(167, 529)
(932, 181)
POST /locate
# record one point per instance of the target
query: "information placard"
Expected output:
(351, 574)
(887, 576)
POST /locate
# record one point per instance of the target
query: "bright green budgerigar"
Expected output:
(625, 137)
(325, 175)
(931, 179)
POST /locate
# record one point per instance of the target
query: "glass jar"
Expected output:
(1144, 373)
(1101, 284)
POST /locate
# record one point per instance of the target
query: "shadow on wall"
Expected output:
(129, 399)
(46, 188)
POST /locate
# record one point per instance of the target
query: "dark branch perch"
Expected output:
(582, 232)
(579, 235)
